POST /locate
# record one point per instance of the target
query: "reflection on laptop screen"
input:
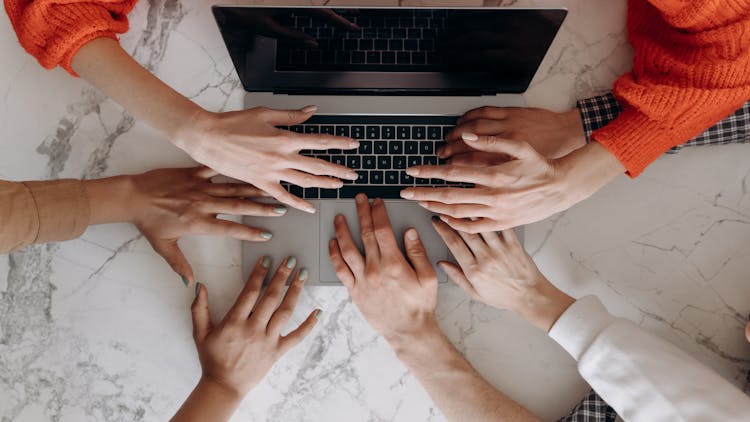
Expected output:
(410, 51)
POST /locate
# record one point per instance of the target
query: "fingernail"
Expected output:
(441, 152)
(407, 194)
(185, 280)
(435, 218)
(338, 184)
(412, 171)
(266, 262)
(303, 274)
(318, 312)
(280, 210)
(291, 262)
(352, 176)
(310, 109)
(412, 234)
(309, 209)
(353, 144)
(360, 198)
(197, 288)
(469, 137)
(266, 235)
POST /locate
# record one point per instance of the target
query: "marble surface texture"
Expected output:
(98, 328)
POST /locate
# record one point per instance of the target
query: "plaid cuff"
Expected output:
(591, 409)
(596, 112)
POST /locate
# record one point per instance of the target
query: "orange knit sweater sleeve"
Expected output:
(54, 30)
(691, 69)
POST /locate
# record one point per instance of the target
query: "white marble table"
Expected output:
(98, 328)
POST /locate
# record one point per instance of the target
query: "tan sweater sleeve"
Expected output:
(39, 212)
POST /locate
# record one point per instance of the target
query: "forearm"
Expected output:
(104, 64)
(452, 383)
(209, 401)
(641, 376)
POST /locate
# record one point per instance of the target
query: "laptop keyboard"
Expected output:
(389, 40)
(388, 146)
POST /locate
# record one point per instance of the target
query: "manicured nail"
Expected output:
(407, 194)
(353, 144)
(303, 274)
(185, 280)
(266, 262)
(310, 109)
(351, 175)
(266, 235)
(338, 184)
(280, 210)
(197, 288)
(412, 171)
(469, 137)
(291, 262)
(309, 209)
(412, 234)
(360, 198)
(317, 314)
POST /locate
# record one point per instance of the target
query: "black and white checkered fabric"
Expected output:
(598, 111)
(591, 409)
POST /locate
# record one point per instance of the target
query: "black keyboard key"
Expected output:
(400, 33)
(384, 162)
(434, 132)
(297, 128)
(395, 147)
(373, 57)
(384, 192)
(420, 22)
(296, 190)
(426, 45)
(329, 194)
(313, 57)
(412, 45)
(403, 132)
(361, 177)
(324, 157)
(438, 145)
(353, 161)
(381, 147)
(373, 132)
(429, 160)
(358, 57)
(327, 129)
(426, 148)
(381, 45)
(283, 127)
(365, 45)
(389, 57)
(342, 131)
(386, 32)
(417, 57)
(429, 34)
(388, 132)
(413, 160)
(339, 159)
(358, 132)
(351, 45)
(311, 193)
(423, 181)
(391, 178)
(376, 177)
(395, 45)
(414, 33)
(368, 162)
(436, 182)
(403, 57)
(447, 130)
(365, 147)
(411, 147)
(312, 129)
(406, 179)
(418, 132)
(399, 162)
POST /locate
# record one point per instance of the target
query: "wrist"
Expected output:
(110, 199)
(574, 126)
(586, 170)
(543, 306)
(404, 343)
(221, 390)
(191, 129)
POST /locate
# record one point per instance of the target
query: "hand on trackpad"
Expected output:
(402, 214)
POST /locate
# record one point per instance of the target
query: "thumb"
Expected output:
(418, 256)
(290, 117)
(170, 251)
(199, 311)
(516, 149)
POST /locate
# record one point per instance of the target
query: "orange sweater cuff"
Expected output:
(636, 140)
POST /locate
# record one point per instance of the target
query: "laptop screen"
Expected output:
(387, 51)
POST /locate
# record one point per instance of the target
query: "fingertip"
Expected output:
(310, 108)
(411, 234)
(361, 198)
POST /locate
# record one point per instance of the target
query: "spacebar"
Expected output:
(384, 192)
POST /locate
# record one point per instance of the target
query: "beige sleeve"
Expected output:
(39, 212)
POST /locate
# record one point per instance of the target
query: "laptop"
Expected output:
(394, 78)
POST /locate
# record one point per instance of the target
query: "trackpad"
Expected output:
(402, 214)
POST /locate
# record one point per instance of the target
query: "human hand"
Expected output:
(247, 145)
(237, 353)
(551, 134)
(397, 297)
(524, 189)
(494, 269)
(167, 204)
